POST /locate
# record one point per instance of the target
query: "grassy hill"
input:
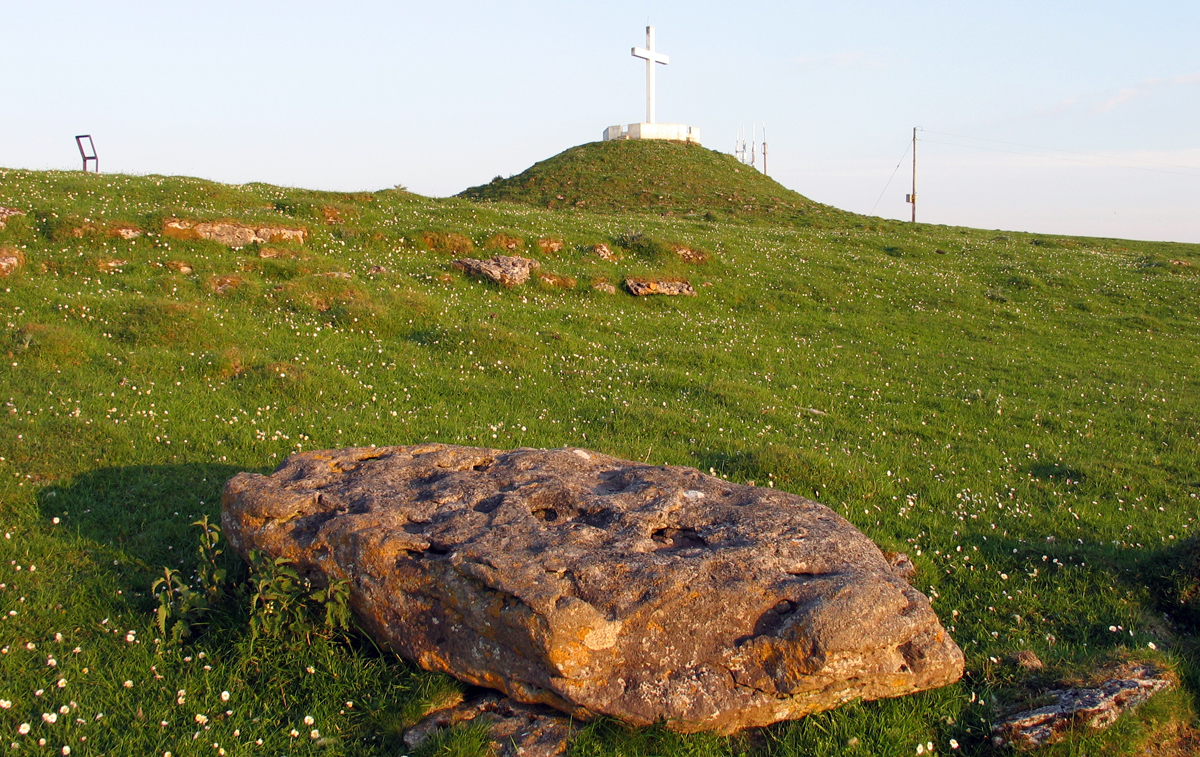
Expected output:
(669, 178)
(1019, 413)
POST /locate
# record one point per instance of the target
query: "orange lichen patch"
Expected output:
(230, 233)
(109, 265)
(183, 230)
(332, 215)
(689, 254)
(549, 245)
(438, 241)
(179, 266)
(556, 281)
(503, 242)
(124, 231)
(222, 284)
(11, 258)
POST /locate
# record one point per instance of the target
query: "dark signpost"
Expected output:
(87, 152)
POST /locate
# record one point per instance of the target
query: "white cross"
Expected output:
(651, 57)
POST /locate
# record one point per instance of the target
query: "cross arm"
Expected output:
(641, 52)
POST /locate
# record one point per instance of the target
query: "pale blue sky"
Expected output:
(439, 96)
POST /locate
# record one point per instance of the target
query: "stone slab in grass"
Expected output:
(600, 586)
(643, 287)
(505, 270)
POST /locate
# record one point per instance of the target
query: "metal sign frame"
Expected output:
(83, 153)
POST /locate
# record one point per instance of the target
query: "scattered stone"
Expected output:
(556, 281)
(689, 254)
(1027, 659)
(332, 215)
(269, 253)
(124, 232)
(179, 266)
(1092, 707)
(377, 269)
(940, 251)
(110, 265)
(1183, 263)
(222, 284)
(231, 234)
(516, 730)
(604, 286)
(11, 258)
(643, 287)
(600, 586)
(814, 411)
(335, 275)
(549, 245)
(604, 252)
(506, 270)
(7, 213)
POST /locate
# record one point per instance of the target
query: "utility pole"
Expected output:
(764, 149)
(912, 198)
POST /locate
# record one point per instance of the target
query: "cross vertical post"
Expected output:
(652, 57)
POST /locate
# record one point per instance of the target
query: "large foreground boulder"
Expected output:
(600, 586)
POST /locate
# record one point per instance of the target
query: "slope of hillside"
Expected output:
(671, 178)
(1019, 413)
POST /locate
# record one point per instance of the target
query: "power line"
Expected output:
(1098, 159)
(889, 181)
(1059, 157)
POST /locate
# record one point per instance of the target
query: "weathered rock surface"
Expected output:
(515, 730)
(11, 258)
(1094, 708)
(643, 287)
(506, 270)
(7, 213)
(229, 233)
(600, 586)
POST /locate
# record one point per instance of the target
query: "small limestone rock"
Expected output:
(125, 232)
(222, 284)
(604, 252)
(515, 729)
(229, 233)
(506, 270)
(689, 254)
(604, 286)
(600, 586)
(549, 245)
(110, 265)
(11, 258)
(1027, 659)
(643, 287)
(7, 213)
(179, 266)
(1095, 708)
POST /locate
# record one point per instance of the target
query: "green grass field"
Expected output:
(1019, 413)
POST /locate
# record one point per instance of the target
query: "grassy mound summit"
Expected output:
(670, 178)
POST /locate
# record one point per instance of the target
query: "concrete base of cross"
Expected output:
(677, 132)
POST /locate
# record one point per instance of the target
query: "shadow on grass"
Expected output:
(144, 513)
